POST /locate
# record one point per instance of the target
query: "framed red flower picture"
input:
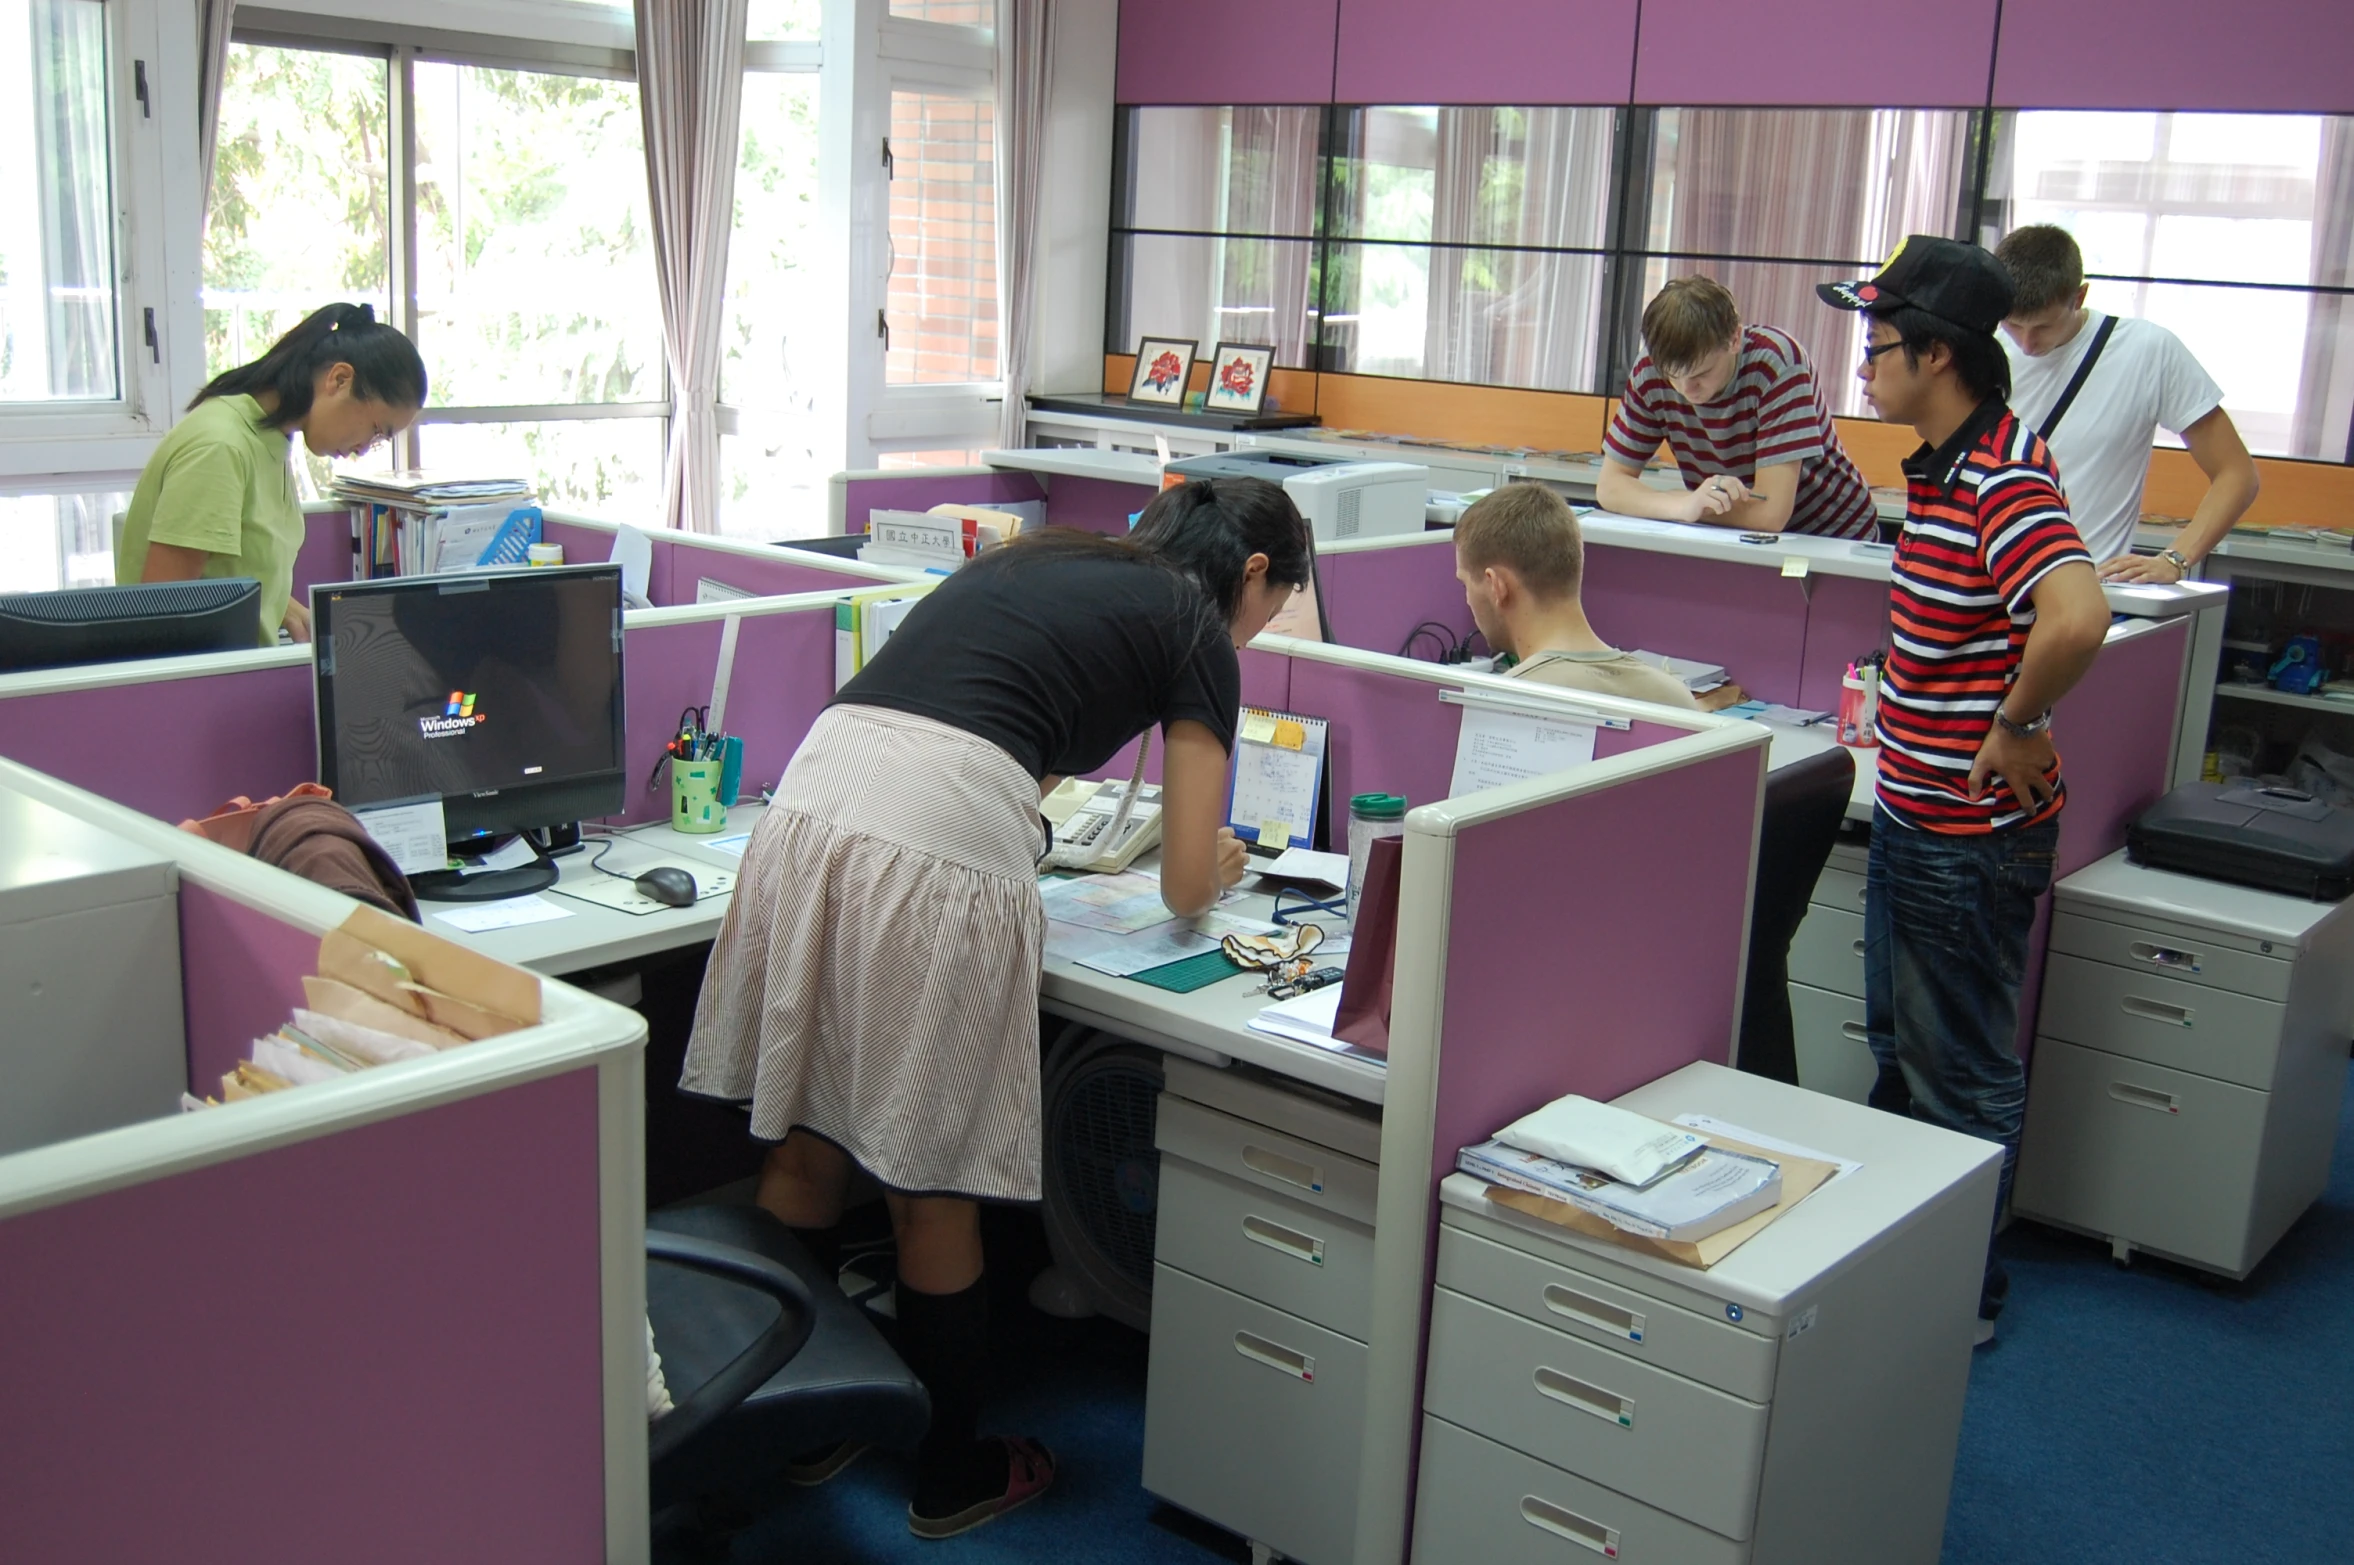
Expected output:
(1162, 363)
(1238, 377)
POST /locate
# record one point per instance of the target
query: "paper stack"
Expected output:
(386, 991)
(417, 524)
(1712, 1190)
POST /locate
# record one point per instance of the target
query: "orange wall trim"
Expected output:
(2294, 494)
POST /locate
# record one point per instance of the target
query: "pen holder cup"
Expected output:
(694, 796)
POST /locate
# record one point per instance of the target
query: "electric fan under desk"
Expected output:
(1102, 1177)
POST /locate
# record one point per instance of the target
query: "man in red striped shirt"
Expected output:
(1995, 612)
(1750, 428)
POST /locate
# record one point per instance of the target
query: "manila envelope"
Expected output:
(1801, 1177)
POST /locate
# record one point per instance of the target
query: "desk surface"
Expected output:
(1211, 1025)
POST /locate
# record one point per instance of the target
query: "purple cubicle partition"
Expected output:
(172, 748)
(1752, 620)
(241, 973)
(325, 555)
(376, 1346)
(1803, 53)
(2281, 55)
(1096, 505)
(1226, 51)
(1846, 618)
(1501, 51)
(784, 676)
(771, 574)
(920, 492)
(1373, 598)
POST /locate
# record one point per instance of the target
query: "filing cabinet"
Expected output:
(1262, 1302)
(1827, 982)
(1797, 1404)
(2190, 1055)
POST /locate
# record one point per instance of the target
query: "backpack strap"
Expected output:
(2092, 356)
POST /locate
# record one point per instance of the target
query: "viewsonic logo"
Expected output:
(457, 717)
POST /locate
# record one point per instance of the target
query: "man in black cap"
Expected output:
(1994, 613)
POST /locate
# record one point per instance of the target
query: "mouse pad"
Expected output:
(624, 896)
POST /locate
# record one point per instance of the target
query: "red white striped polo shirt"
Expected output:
(1771, 412)
(1984, 522)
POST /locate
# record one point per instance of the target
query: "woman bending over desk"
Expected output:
(217, 498)
(874, 989)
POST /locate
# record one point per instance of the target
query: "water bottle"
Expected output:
(1371, 815)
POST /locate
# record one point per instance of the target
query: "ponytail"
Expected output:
(385, 365)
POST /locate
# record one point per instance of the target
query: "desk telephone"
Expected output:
(1103, 826)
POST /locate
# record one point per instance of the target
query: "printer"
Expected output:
(1341, 498)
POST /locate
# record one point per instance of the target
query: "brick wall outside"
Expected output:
(942, 298)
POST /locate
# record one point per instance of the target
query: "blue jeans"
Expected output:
(1946, 920)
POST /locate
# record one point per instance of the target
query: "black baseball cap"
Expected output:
(1961, 284)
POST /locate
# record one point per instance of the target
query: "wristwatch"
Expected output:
(2174, 558)
(2026, 730)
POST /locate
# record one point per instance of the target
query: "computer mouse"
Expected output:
(668, 885)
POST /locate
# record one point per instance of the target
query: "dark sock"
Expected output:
(945, 1339)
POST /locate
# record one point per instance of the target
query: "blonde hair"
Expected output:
(1530, 531)
(1687, 321)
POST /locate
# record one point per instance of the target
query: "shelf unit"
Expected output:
(2277, 590)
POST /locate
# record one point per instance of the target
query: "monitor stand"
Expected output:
(488, 885)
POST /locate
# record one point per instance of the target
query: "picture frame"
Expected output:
(1238, 377)
(1163, 364)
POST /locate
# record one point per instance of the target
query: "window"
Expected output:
(775, 458)
(1213, 228)
(942, 297)
(523, 270)
(783, 19)
(1770, 202)
(59, 339)
(2233, 231)
(58, 540)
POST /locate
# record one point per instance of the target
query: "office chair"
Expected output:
(1804, 804)
(838, 1381)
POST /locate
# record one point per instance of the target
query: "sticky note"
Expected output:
(1274, 833)
(1290, 735)
(1794, 565)
(1258, 728)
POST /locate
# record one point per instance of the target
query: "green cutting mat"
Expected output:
(1187, 974)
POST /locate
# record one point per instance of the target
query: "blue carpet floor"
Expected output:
(2137, 1415)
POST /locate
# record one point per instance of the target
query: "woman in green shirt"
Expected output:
(217, 498)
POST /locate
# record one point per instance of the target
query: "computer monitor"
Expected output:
(111, 624)
(497, 692)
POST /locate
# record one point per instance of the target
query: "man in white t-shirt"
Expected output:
(2143, 378)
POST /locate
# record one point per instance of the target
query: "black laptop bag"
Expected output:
(2275, 839)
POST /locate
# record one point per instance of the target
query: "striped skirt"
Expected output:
(876, 980)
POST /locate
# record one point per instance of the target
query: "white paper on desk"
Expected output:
(1126, 955)
(1496, 747)
(510, 914)
(1304, 1018)
(1325, 869)
(1122, 903)
(413, 836)
(1791, 716)
(1710, 1125)
(353, 1038)
(733, 846)
(515, 854)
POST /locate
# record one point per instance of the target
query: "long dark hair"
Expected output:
(385, 366)
(1205, 530)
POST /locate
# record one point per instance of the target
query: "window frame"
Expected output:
(156, 267)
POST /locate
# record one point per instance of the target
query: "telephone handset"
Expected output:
(1103, 826)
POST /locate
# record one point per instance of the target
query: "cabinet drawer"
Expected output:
(1266, 1246)
(1834, 1051)
(1252, 1419)
(2135, 1151)
(1327, 1181)
(2209, 963)
(1586, 1307)
(1689, 1449)
(1839, 888)
(1828, 951)
(1477, 1500)
(2146, 1016)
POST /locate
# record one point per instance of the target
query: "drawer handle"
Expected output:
(2144, 1097)
(1288, 1169)
(2164, 956)
(2156, 1011)
(1593, 1312)
(1608, 1406)
(1857, 946)
(1300, 1366)
(1855, 1032)
(1545, 1516)
(1284, 1241)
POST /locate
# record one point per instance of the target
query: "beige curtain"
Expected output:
(1273, 190)
(2324, 425)
(690, 57)
(213, 19)
(1025, 87)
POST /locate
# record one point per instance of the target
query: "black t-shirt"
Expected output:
(1058, 659)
